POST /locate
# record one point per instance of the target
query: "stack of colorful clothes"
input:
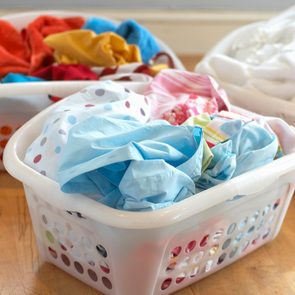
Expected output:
(73, 48)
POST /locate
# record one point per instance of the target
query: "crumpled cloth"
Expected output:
(238, 146)
(24, 52)
(87, 48)
(131, 31)
(258, 58)
(131, 162)
(176, 95)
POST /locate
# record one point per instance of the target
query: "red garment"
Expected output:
(13, 52)
(42, 26)
(65, 72)
(25, 52)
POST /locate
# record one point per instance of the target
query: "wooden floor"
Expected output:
(268, 271)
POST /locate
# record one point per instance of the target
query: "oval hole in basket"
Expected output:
(104, 267)
(78, 267)
(176, 251)
(190, 246)
(166, 284)
(102, 251)
(276, 204)
(171, 267)
(180, 278)
(92, 275)
(107, 283)
(204, 241)
(221, 258)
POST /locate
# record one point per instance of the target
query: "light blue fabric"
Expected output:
(99, 25)
(250, 147)
(134, 33)
(18, 78)
(131, 165)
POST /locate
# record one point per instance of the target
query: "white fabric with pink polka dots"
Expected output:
(106, 97)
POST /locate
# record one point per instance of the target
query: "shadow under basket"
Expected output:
(159, 252)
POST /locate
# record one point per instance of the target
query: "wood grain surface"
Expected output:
(269, 270)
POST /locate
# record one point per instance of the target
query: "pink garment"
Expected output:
(176, 95)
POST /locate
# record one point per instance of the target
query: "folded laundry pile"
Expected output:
(258, 58)
(115, 146)
(75, 48)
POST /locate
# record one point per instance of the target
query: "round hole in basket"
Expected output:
(166, 284)
(92, 274)
(239, 237)
(107, 283)
(190, 246)
(255, 216)
(266, 210)
(218, 234)
(208, 265)
(266, 234)
(233, 252)
(194, 271)
(251, 230)
(65, 259)
(176, 251)
(213, 250)
(78, 267)
(52, 252)
(104, 267)
(171, 267)
(49, 236)
(226, 244)
(198, 256)
(245, 245)
(260, 225)
(180, 278)
(102, 251)
(62, 246)
(44, 219)
(276, 204)
(231, 228)
(271, 218)
(89, 258)
(243, 223)
(256, 239)
(221, 258)
(204, 241)
(184, 263)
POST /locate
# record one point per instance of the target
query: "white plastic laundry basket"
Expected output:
(250, 99)
(159, 252)
(16, 110)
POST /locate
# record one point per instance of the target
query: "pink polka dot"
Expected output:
(142, 112)
(146, 100)
(89, 105)
(127, 104)
(37, 159)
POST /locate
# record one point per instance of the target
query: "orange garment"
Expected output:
(25, 52)
(85, 47)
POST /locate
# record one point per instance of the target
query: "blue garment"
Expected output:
(250, 147)
(99, 25)
(131, 165)
(134, 33)
(18, 78)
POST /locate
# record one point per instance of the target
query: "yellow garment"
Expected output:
(85, 47)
